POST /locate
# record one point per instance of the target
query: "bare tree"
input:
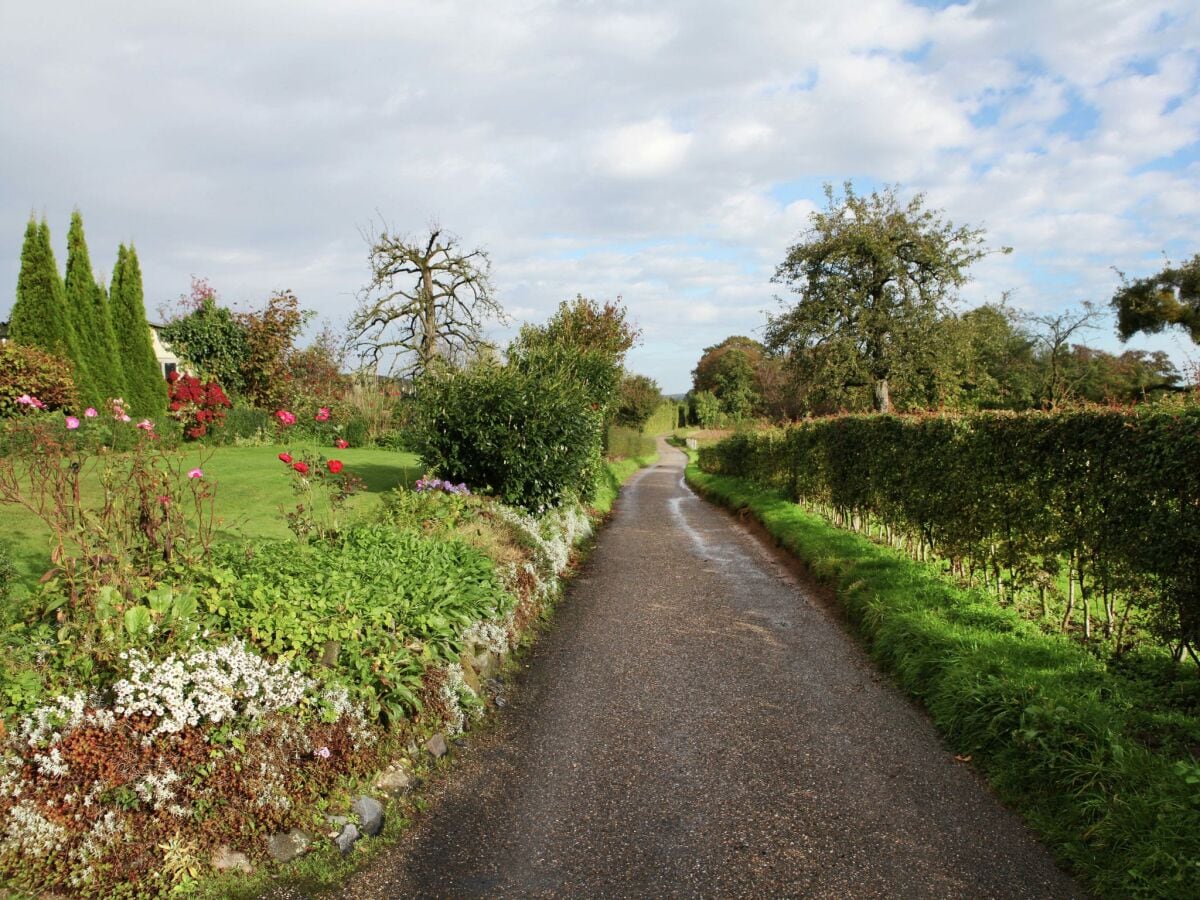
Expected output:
(427, 301)
(1053, 333)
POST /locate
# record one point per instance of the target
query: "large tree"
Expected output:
(99, 372)
(426, 302)
(145, 387)
(40, 317)
(731, 371)
(874, 277)
(1170, 298)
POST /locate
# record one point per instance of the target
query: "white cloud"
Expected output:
(669, 154)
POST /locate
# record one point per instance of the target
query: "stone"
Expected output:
(370, 814)
(226, 859)
(393, 782)
(287, 846)
(337, 821)
(436, 745)
(346, 838)
(330, 653)
(469, 675)
(487, 664)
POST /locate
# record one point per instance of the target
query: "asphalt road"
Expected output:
(698, 724)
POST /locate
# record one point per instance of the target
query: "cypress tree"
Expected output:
(146, 390)
(114, 368)
(81, 305)
(39, 315)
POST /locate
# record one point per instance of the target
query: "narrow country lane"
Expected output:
(696, 724)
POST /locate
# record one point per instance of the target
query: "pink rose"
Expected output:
(322, 414)
(341, 443)
(146, 425)
(90, 412)
(72, 423)
(196, 473)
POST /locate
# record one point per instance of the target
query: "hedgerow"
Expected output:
(1094, 508)
(1098, 758)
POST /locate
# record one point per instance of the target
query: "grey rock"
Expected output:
(286, 847)
(393, 782)
(501, 702)
(337, 821)
(370, 814)
(487, 663)
(436, 745)
(346, 838)
(225, 859)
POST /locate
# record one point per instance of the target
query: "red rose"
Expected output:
(335, 465)
(300, 467)
(285, 457)
(341, 443)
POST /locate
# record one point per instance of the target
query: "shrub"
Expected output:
(30, 371)
(531, 438)
(198, 406)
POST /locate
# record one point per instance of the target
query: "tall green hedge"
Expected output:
(1110, 497)
(99, 373)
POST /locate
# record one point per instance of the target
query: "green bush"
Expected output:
(28, 370)
(529, 437)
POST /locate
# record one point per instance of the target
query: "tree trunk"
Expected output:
(881, 398)
(428, 322)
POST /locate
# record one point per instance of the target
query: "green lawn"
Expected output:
(251, 487)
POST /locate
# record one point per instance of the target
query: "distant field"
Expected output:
(251, 487)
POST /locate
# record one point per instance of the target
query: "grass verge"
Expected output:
(1058, 735)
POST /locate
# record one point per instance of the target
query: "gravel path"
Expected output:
(697, 724)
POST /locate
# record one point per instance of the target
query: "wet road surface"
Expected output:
(696, 724)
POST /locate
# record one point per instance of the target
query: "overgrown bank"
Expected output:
(1065, 739)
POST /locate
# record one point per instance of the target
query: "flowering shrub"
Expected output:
(30, 372)
(199, 406)
(114, 520)
(323, 488)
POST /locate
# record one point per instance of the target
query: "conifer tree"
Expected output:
(81, 306)
(145, 388)
(39, 315)
(114, 385)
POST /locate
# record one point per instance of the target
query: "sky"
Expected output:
(667, 153)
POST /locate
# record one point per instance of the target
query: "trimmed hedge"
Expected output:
(1109, 497)
(1056, 733)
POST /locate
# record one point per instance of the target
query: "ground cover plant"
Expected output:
(1099, 752)
(174, 690)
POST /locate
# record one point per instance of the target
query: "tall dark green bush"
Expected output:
(98, 370)
(146, 389)
(39, 316)
(531, 438)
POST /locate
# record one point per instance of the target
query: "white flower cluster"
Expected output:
(108, 828)
(47, 724)
(52, 764)
(158, 790)
(361, 733)
(30, 832)
(488, 635)
(208, 686)
(451, 695)
(554, 535)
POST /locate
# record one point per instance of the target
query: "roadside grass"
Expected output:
(252, 486)
(1062, 737)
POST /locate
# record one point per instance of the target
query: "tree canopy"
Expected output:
(426, 301)
(874, 276)
(1170, 298)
